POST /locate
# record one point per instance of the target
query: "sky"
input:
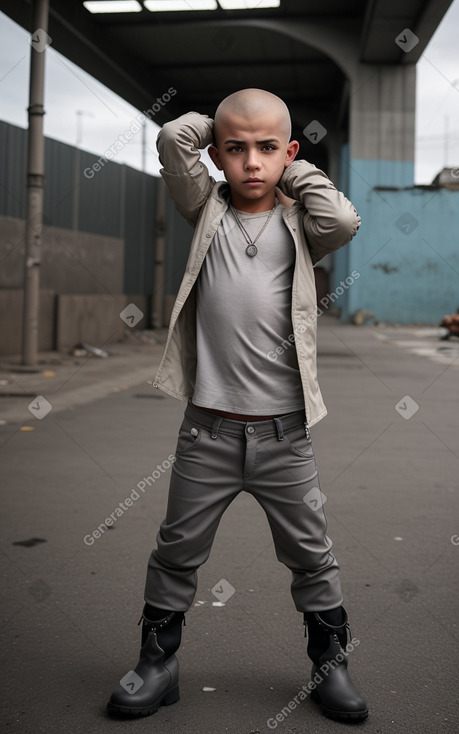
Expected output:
(79, 108)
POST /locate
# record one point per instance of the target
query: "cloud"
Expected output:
(437, 104)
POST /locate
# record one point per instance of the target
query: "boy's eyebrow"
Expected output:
(258, 142)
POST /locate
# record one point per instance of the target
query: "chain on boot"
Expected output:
(327, 643)
(154, 680)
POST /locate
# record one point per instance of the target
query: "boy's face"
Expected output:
(252, 152)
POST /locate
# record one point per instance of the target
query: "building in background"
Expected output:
(348, 76)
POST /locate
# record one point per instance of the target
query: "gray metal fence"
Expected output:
(85, 194)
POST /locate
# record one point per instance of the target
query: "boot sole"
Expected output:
(339, 715)
(167, 699)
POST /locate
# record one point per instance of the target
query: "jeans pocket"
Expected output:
(188, 438)
(300, 443)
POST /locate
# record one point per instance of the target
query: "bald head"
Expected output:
(253, 104)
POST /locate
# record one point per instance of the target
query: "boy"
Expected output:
(248, 287)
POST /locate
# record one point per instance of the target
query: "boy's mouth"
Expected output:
(252, 181)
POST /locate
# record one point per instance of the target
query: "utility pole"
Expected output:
(446, 143)
(79, 125)
(39, 40)
(76, 167)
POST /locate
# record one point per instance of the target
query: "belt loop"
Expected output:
(279, 429)
(215, 427)
(306, 430)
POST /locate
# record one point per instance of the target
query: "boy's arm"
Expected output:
(187, 178)
(331, 220)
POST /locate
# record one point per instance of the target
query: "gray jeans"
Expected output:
(274, 461)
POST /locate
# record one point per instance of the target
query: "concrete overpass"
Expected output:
(338, 63)
(347, 72)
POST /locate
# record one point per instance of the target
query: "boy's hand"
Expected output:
(330, 219)
(179, 143)
(283, 182)
(191, 128)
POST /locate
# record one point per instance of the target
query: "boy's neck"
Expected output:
(256, 206)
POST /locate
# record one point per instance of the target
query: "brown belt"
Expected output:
(236, 416)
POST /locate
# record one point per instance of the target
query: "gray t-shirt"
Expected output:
(244, 313)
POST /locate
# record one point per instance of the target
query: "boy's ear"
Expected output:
(292, 150)
(213, 152)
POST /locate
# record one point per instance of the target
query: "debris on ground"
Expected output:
(96, 351)
(362, 316)
(451, 323)
(83, 349)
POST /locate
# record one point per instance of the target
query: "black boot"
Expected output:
(154, 681)
(334, 690)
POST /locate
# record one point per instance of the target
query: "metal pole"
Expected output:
(76, 189)
(76, 168)
(79, 127)
(35, 182)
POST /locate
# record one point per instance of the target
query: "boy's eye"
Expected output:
(237, 148)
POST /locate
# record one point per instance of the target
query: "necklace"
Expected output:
(251, 249)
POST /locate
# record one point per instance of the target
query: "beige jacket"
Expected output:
(320, 220)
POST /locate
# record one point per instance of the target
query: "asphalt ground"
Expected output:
(388, 456)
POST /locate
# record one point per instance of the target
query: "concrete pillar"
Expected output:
(381, 154)
(380, 150)
(382, 117)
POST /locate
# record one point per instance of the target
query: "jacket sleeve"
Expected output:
(187, 178)
(331, 221)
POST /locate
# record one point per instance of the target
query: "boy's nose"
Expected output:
(252, 161)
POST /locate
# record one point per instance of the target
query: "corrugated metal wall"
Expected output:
(102, 208)
(115, 201)
(139, 234)
(12, 170)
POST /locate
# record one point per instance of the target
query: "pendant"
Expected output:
(251, 250)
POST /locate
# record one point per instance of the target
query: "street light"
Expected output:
(454, 84)
(79, 125)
